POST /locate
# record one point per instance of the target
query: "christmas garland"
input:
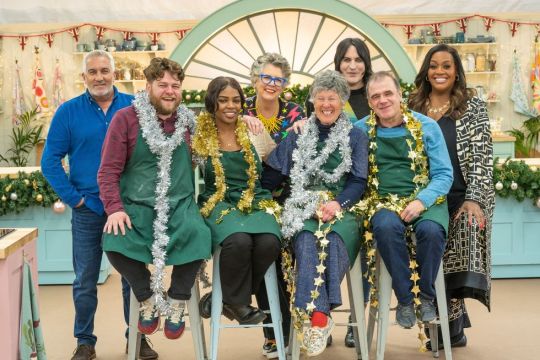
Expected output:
(518, 180)
(162, 146)
(27, 189)
(373, 201)
(206, 144)
(303, 204)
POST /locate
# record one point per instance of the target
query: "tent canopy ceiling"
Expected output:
(69, 11)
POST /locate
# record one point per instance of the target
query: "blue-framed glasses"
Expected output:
(268, 79)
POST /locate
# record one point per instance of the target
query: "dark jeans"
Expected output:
(138, 276)
(243, 262)
(87, 231)
(389, 234)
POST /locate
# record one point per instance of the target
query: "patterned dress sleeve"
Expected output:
(281, 157)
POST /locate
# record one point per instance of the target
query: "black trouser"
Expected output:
(243, 262)
(284, 296)
(138, 276)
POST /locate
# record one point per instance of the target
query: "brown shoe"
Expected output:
(84, 352)
(145, 350)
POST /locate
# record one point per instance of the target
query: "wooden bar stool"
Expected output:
(381, 315)
(358, 318)
(195, 325)
(270, 278)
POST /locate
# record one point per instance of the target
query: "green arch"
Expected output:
(229, 14)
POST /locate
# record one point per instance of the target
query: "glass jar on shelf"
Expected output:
(481, 61)
(470, 65)
(492, 62)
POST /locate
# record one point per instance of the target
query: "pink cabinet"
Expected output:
(14, 247)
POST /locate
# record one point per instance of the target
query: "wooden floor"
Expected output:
(511, 331)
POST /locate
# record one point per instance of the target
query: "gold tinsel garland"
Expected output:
(206, 144)
(373, 202)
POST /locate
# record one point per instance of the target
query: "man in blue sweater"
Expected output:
(410, 174)
(78, 130)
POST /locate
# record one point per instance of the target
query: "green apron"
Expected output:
(395, 176)
(189, 238)
(257, 221)
(348, 227)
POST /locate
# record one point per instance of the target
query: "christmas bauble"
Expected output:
(13, 196)
(26, 182)
(4, 198)
(59, 207)
(198, 98)
(513, 185)
(7, 188)
(534, 168)
(39, 198)
(188, 97)
(538, 202)
(499, 185)
(288, 96)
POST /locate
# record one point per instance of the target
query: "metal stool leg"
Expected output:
(195, 323)
(385, 292)
(273, 299)
(134, 339)
(356, 298)
(294, 346)
(217, 307)
(440, 290)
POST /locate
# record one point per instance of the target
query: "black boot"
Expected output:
(349, 337)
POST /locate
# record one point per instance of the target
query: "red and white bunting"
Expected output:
(513, 27)
(75, 33)
(537, 27)
(385, 25)
(436, 29)
(488, 22)
(180, 33)
(49, 38)
(154, 37)
(409, 29)
(22, 41)
(127, 35)
(100, 32)
(462, 23)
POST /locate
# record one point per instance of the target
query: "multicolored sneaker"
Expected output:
(174, 322)
(148, 317)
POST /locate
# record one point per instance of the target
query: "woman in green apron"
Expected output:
(235, 207)
(327, 166)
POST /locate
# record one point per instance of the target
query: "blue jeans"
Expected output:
(389, 235)
(87, 230)
(307, 259)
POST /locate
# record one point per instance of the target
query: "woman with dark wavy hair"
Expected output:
(442, 94)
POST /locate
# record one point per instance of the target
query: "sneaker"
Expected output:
(84, 352)
(315, 338)
(427, 310)
(148, 317)
(405, 315)
(145, 350)
(349, 337)
(270, 349)
(174, 322)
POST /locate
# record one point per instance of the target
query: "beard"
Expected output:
(164, 108)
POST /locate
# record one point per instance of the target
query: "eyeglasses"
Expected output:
(268, 79)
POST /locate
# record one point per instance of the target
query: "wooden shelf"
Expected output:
(80, 82)
(456, 45)
(149, 52)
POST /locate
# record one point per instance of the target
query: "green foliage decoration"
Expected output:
(527, 179)
(24, 138)
(30, 189)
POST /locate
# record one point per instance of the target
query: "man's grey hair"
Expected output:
(330, 80)
(97, 53)
(269, 58)
(378, 76)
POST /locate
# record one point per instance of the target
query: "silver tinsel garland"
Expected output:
(163, 147)
(302, 204)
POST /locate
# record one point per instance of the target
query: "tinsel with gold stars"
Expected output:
(373, 202)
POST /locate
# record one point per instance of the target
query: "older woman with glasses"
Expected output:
(327, 166)
(269, 76)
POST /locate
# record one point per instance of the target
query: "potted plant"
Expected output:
(24, 138)
(527, 138)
